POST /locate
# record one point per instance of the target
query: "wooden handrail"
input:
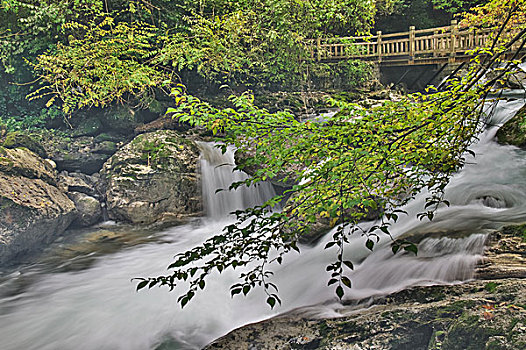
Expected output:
(442, 43)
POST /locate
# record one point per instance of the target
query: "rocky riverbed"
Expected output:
(489, 313)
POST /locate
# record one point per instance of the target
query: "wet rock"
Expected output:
(153, 179)
(483, 314)
(88, 208)
(32, 210)
(492, 202)
(515, 80)
(505, 255)
(468, 316)
(513, 132)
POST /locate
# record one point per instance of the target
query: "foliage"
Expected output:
(352, 163)
(124, 54)
(107, 64)
(422, 14)
(493, 12)
(455, 6)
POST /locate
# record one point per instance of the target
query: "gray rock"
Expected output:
(23, 162)
(513, 132)
(33, 211)
(84, 154)
(79, 182)
(88, 127)
(88, 208)
(153, 179)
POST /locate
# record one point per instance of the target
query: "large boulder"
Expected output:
(17, 139)
(153, 179)
(33, 211)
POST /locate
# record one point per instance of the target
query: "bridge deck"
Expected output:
(428, 46)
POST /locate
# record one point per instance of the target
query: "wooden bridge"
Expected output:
(433, 46)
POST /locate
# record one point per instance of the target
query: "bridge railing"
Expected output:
(442, 42)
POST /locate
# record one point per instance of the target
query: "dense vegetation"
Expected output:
(84, 53)
(93, 52)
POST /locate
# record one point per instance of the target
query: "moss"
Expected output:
(435, 343)
(20, 139)
(491, 287)
(514, 131)
(470, 332)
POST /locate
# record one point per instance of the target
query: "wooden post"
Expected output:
(411, 44)
(435, 43)
(379, 43)
(453, 47)
(318, 48)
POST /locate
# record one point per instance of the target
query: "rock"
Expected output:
(469, 316)
(32, 210)
(84, 154)
(516, 80)
(505, 255)
(153, 179)
(105, 147)
(50, 163)
(513, 132)
(21, 139)
(90, 126)
(162, 123)
(23, 162)
(483, 314)
(124, 120)
(79, 182)
(89, 209)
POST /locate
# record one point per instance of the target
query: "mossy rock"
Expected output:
(513, 132)
(88, 127)
(21, 139)
(153, 179)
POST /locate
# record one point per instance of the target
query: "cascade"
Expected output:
(218, 173)
(44, 306)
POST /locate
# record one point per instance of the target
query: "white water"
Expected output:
(97, 307)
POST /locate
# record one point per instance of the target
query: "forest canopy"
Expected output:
(54, 50)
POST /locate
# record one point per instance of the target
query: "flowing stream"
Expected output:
(79, 295)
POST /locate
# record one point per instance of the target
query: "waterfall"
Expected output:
(218, 173)
(48, 306)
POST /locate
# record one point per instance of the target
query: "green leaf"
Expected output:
(346, 281)
(411, 248)
(141, 285)
(369, 244)
(349, 264)
(271, 301)
(339, 292)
